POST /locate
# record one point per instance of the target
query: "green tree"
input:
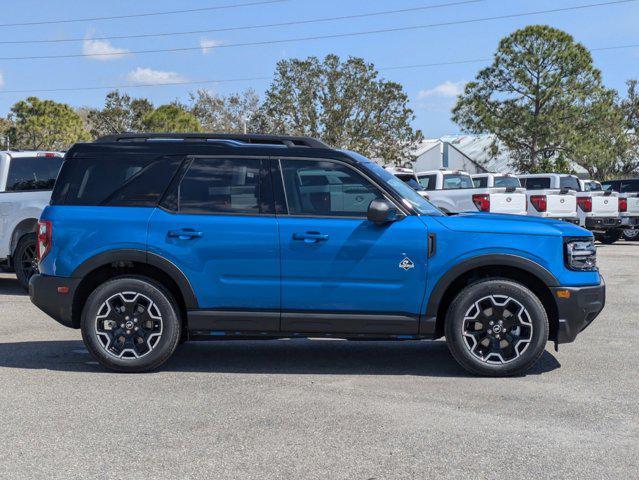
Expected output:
(224, 113)
(630, 109)
(44, 125)
(170, 118)
(344, 104)
(121, 113)
(541, 97)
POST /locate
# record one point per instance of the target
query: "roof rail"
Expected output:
(255, 139)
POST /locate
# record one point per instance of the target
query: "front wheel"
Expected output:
(496, 328)
(25, 259)
(131, 324)
(609, 236)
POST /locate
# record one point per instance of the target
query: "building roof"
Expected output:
(478, 149)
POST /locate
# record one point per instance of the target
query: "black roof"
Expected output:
(207, 144)
(254, 139)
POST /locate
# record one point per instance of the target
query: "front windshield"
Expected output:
(410, 196)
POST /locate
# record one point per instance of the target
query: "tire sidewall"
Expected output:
(467, 297)
(23, 243)
(631, 238)
(171, 324)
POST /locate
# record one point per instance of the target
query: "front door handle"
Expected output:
(310, 237)
(184, 234)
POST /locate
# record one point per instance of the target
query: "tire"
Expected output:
(25, 259)
(609, 237)
(496, 349)
(632, 235)
(131, 324)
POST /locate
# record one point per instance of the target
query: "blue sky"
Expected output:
(431, 90)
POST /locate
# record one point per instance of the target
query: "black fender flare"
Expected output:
(141, 256)
(489, 260)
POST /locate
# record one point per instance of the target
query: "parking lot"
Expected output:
(321, 409)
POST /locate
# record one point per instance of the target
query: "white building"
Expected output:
(472, 153)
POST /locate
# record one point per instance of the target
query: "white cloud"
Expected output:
(153, 77)
(208, 45)
(102, 50)
(446, 89)
(1, 79)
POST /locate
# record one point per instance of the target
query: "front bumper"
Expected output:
(578, 310)
(44, 294)
(602, 223)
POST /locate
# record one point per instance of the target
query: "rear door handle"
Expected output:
(310, 237)
(184, 234)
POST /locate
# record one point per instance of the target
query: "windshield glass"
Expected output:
(507, 182)
(410, 196)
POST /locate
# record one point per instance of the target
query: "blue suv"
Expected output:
(152, 240)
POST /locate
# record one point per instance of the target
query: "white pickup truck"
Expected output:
(453, 191)
(558, 195)
(628, 191)
(26, 181)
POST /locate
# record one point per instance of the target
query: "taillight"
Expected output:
(44, 238)
(623, 204)
(585, 203)
(539, 202)
(482, 202)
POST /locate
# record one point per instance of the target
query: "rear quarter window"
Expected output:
(32, 173)
(116, 181)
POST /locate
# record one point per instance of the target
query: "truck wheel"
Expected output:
(131, 324)
(631, 234)
(496, 328)
(609, 237)
(25, 259)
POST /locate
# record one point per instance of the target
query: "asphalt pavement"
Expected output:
(322, 409)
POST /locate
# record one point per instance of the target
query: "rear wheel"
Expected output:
(131, 324)
(609, 237)
(25, 259)
(496, 328)
(631, 234)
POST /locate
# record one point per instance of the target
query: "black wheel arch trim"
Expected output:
(490, 260)
(141, 256)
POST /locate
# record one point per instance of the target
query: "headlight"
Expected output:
(581, 254)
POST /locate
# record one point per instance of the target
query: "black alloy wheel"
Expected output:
(25, 259)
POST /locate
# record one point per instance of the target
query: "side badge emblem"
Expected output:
(406, 264)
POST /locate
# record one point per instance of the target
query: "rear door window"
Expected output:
(217, 185)
(32, 173)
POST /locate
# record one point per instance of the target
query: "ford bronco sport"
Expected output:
(151, 240)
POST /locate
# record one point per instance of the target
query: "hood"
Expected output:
(513, 224)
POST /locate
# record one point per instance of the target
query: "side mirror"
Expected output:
(381, 211)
